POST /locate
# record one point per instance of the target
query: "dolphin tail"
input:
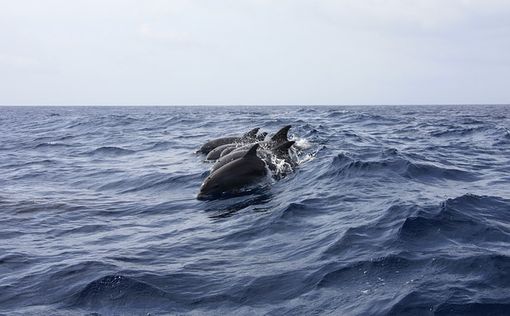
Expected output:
(281, 135)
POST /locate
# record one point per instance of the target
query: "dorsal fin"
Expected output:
(281, 135)
(252, 151)
(285, 145)
(252, 133)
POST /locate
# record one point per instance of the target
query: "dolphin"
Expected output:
(210, 145)
(216, 152)
(227, 151)
(234, 176)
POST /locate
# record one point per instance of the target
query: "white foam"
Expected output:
(282, 167)
(301, 143)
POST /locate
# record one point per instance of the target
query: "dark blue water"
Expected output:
(392, 210)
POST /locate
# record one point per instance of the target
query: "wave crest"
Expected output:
(345, 166)
(110, 151)
(118, 291)
(468, 218)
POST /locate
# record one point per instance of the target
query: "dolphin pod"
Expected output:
(243, 161)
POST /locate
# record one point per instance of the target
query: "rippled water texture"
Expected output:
(394, 210)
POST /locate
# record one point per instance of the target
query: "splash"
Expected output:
(301, 143)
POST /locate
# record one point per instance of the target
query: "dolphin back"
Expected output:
(210, 145)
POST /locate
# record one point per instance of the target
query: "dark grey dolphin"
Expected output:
(227, 151)
(210, 145)
(216, 152)
(234, 176)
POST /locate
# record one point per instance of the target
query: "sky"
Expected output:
(254, 52)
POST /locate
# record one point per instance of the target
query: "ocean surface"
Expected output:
(391, 211)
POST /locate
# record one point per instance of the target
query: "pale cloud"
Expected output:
(424, 15)
(151, 32)
(18, 62)
(254, 51)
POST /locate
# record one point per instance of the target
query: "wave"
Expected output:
(502, 138)
(337, 113)
(399, 285)
(294, 210)
(52, 145)
(163, 145)
(474, 308)
(223, 208)
(271, 288)
(418, 303)
(161, 182)
(345, 166)
(308, 110)
(110, 151)
(471, 294)
(44, 162)
(119, 291)
(469, 218)
(382, 233)
(13, 259)
(154, 182)
(367, 119)
(85, 229)
(459, 131)
(376, 269)
(179, 120)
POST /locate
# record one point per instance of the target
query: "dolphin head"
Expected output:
(210, 188)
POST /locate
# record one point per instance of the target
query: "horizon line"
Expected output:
(247, 105)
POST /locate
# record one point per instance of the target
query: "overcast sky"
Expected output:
(254, 51)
